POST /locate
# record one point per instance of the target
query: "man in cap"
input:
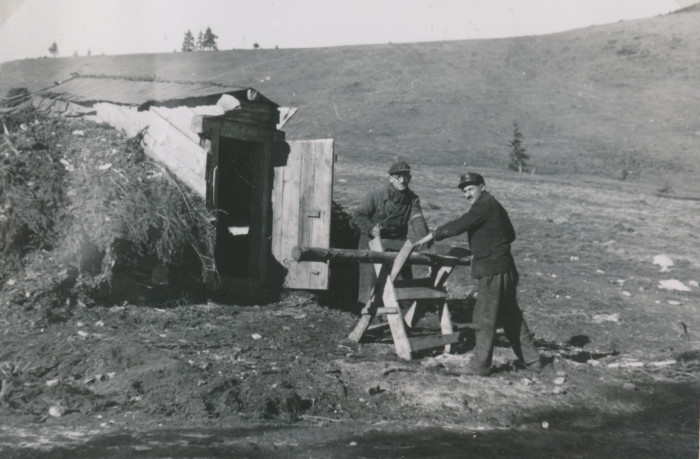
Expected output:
(490, 234)
(388, 213)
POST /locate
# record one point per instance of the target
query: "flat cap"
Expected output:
(399, 167)
(470, 178)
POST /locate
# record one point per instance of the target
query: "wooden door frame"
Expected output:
(260, 243)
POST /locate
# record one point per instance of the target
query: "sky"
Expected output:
(29, 27)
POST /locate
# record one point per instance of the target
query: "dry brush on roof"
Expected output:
(82, 205)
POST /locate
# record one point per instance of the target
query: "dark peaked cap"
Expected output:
(470, 178)
(400, 167)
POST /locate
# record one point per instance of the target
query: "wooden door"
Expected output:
(301, 210)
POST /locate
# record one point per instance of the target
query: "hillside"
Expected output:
(615, 100)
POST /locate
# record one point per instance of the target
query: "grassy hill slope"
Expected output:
(595, 101)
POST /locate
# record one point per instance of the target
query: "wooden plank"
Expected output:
(179, 119)
(369, 311)
(379, 326)
(164, 142)
(157, 127)
(277, 212)
(206, 179)
(445, 317)
(182, 161)
(383, 310)
(215, 169)
(442, 274)
(302, 210)
(266, 118)
(429, 342)
(254, 108)
(413, 314)
(419, 293)
(418, 282)
(290, 215)
(185, 155)
(315, 209)
(307, 180)
(285, 114)
(401, 258)
(322, 199)
(196, 125)
(266, 210)
(237, 130)
(360, 328)
(257, 255)
(370, 305)
(192, 179)
(439, 273)
(119, 117)
(190, 154)
(446, 324)
(396, 324)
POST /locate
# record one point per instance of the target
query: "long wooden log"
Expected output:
(459, 257)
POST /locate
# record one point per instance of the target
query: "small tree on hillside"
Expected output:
(518, 156)
(53, 49)
(200, 41)
(209, 41)
(188, 42)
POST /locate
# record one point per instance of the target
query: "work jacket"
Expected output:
(393, 211)
(490, 234)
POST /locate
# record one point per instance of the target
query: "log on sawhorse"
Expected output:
(444, 256)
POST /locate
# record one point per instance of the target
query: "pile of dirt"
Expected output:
(118, 370)
(195, 362)
(86, 217)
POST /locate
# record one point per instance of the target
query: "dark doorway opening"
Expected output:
(238, 195)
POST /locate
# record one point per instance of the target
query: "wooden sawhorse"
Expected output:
(388, 290)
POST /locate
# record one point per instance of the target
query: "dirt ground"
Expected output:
(281, 380)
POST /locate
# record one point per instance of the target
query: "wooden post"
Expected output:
(398, 331)
(265, 215)
(446, 324)
(214, 168)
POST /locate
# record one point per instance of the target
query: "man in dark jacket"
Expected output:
(388, 212)
(490, 234)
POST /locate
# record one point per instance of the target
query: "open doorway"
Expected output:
(238, 195)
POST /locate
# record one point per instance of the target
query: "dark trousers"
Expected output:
(367, 276)
(497, 305)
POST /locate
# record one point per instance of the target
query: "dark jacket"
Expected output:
(394, 211)
(490, 235)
